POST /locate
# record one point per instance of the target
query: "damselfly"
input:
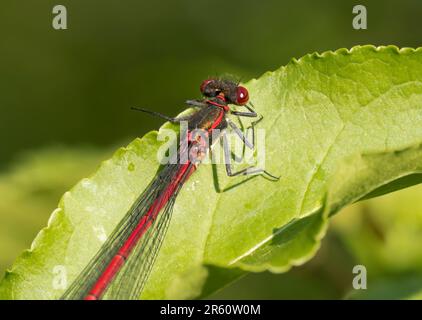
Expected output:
(122, 265)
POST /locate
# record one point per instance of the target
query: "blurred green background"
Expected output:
(65, 98)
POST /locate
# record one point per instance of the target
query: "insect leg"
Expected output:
(251, 114)
(247, 171)
(249, 144)
(196, 103)
(162, 116)
(239, 133)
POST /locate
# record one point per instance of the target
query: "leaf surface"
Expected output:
(338, 127)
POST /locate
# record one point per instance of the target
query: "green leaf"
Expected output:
(338, 126)
(29, 191)
(384, 235)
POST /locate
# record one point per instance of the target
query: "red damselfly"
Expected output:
(122, 265)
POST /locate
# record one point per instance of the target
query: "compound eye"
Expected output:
(204, 85)
(242, 96)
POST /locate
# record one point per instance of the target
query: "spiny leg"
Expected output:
(192, 103)
(162, 116)
(216, 176)
(251, 170)
(252, 127)
(196, 103)
(245, 140)
(251, 114)
(239, 133)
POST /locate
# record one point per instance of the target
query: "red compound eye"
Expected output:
(204, 84)
(242, 96)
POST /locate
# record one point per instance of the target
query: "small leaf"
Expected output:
(339, 126)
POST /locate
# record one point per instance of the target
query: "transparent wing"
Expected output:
(131, 279)
(81, 286)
